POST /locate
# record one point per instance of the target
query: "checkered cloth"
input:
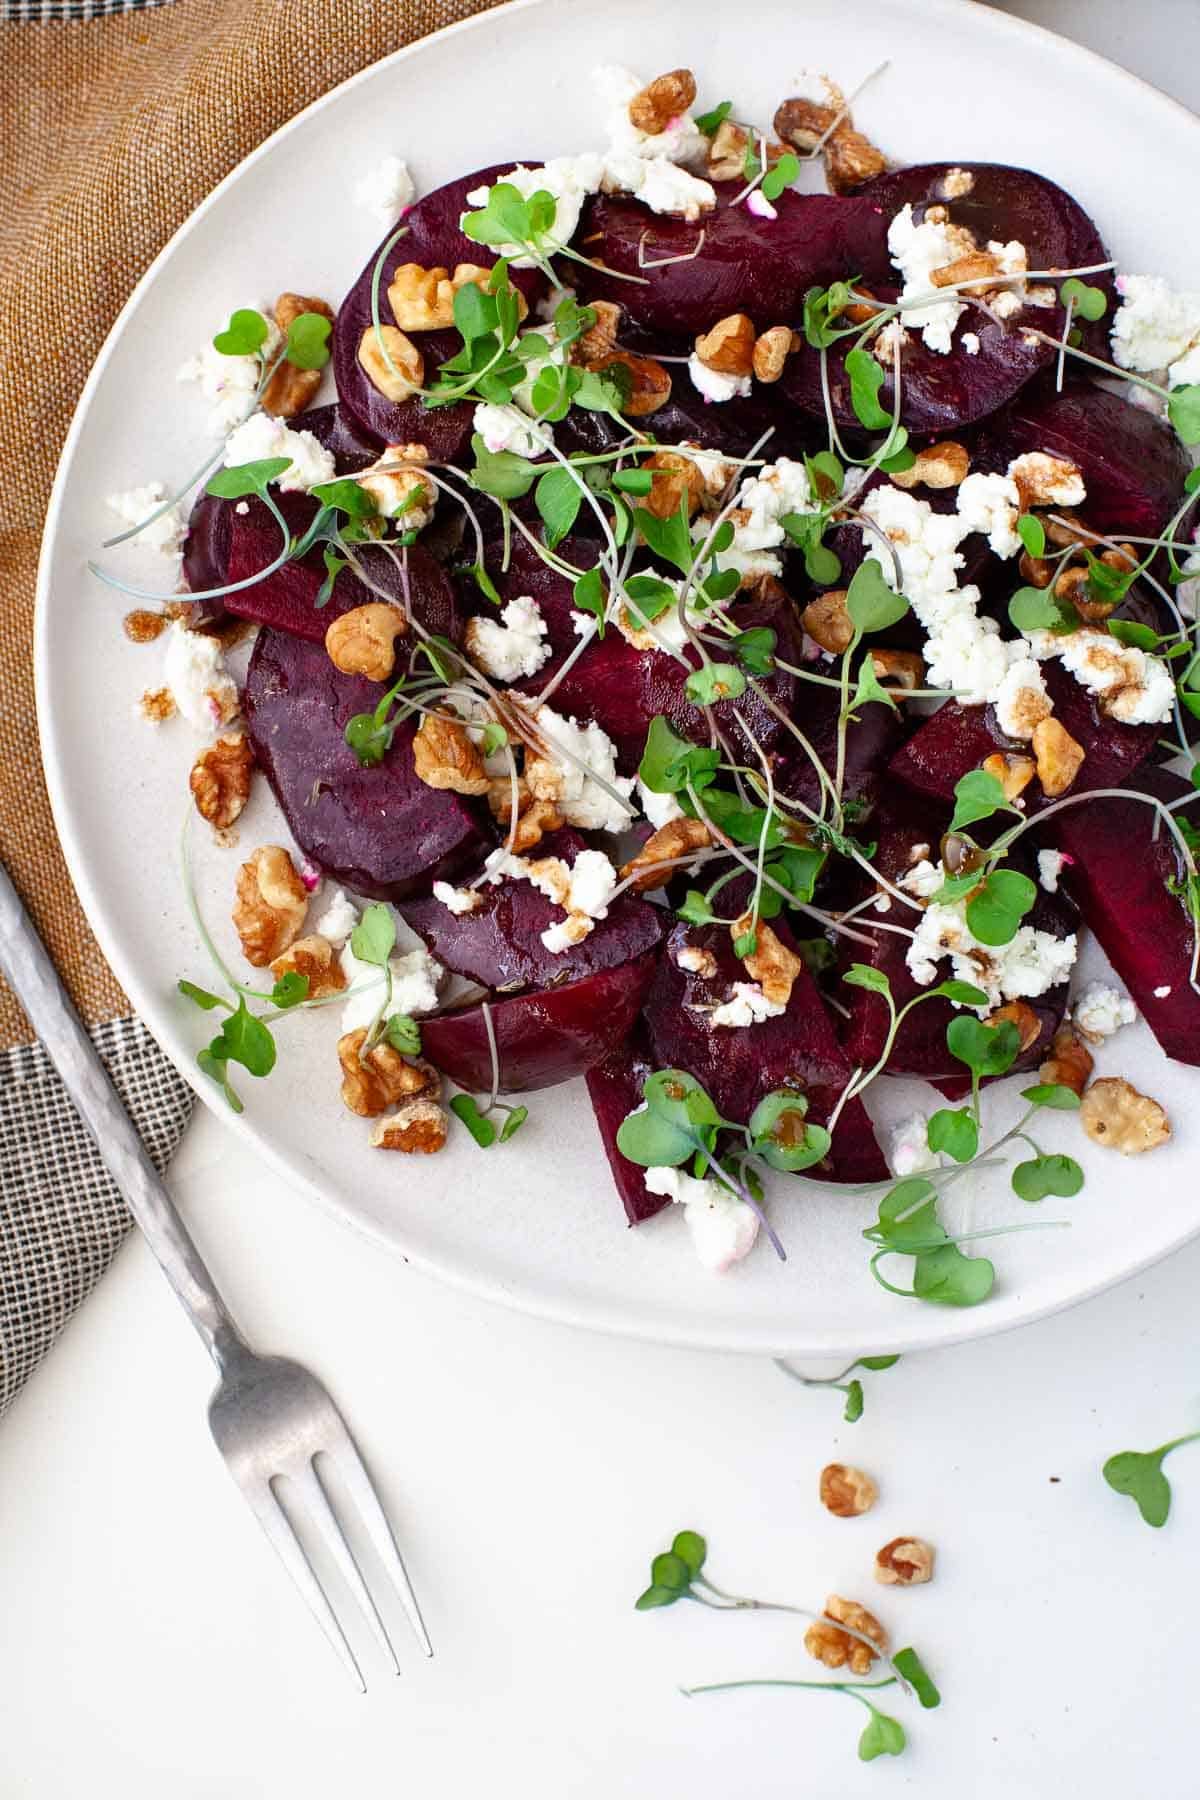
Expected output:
(44, 10)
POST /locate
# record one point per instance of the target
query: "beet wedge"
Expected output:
(378, 830)
(1120, 877)
(740, 1065)
(542, 1038)
(615, 1090)
(500, 944)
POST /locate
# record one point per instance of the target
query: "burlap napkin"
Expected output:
(114, 124)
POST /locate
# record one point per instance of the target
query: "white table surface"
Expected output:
(152, 1647)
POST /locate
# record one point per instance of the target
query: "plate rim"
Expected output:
(590, 1314)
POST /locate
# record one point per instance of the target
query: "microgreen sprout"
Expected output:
(852, 1388)
(1139, 1475)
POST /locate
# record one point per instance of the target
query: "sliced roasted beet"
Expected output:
(499, 945)
(433, 239)
(958, 738)
(1118, 876)
(206, 555)
(734, 426)
(744, 264)
(871, 741)
(741, 1064)
(379, 830)
(1132, 463)
(542, 1038)
(615, 1090)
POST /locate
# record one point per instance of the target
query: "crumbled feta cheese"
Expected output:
(1027, 966)
(1155, 328)
(664, 633)
(956, 183)
(1021, 700)
(402, 493)
(778, 489)
(1162, 993)
(908, 1151)
(722, 1227)
(1100, 1011)
(660, 809)
(508, 428)
(680, 142)
(923, 880)
(582, 889)
(991, 504)
(1050, 866)
(385, 191)
(580, 798)
(660, 185)
(261, 436)
(415, 979)
(1138, 688)
(167, 531)
(917, 250)
(457, 900)
(758, 204)
(512, 647)
(228, 383)
(747, 1005)
(695, 961)
(338, 920)
(970, 342)
(1051, 479)
(194, 671)
(713, 385)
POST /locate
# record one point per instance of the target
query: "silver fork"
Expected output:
(273, 1421)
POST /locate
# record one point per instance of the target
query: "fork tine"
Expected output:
(311, 1490)
(278, 1528)
(353, 1472)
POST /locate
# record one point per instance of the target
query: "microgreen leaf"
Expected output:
(246, 478)
(290, 990)
(994, 913)
(494, 738)
(868, 688)
(755, 649)
(588, 595)
(782, 1136)
(558, 497)
(203, 999)
(656, 1596)
(1052, 1095)
(669, 538)
(1132, 631)
(246, 1040)
(865, 375)
(245, 334)
(863, 976)
(1032, 534)
(633, 481)
(909, 1665)
(1037, 609)
(670, 762)
(695, 909)
(977, 796)
(871, 603)
(714, 682)
(709, 122)
(345, 496)
(403, 1034)
(953, 1132)
(853, 1410)
(1043, 1175)
(517, 1116)
(1090, 303)
(1183, 410)
(963, 993)
(467, 1112)
(501, 473)
(308, 341)
(948, 1278)
(780, 175)
(374, 937)
(986, 1049)
(691, 1549)
(881, 1736)
(654, 1142)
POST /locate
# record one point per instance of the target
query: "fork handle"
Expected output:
(36, 983)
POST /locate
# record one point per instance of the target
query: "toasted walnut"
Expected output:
(675, 480)
(845, 1491)
(1044, 480)
(1038, 571)
(901, 669)
(419, 1126)
(836, 1648)
(395, 367)
(904, 1562)
(850, 158)
(828, 622)
(727, 151)
(271, 902)
(1059, 757)
(372, 1083)
(292, 390)
(679, 837)
(1013, 772)
(729, 347)
(1116, 1115)
(978, 265)
(533, 823)
(942, 465)
(317, 960)
(445, 757)
(771, 351)
(157, 705)
(770, 963)
(363, 641)
(423, 299)
(803, 123)
(1069, 1063)
(648, 386)
(662, 100)
(1018, 1013)
(220, 779)
(599, 338)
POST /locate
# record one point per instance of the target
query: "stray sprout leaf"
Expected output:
(670, 763)
(467, 1112)
(1090, 303)
(986, 1049)
(882, 1736)
(783, 1137)
(403, 1033)
(695, 909)
(1139, 1474)
(588, 595)
(1183, 410)
(1037, 609)
(216, 1068)
(656, 1596)
(853, 1410)
(865, 374)
(244, 1039)
(201, 996)
(863, 976)
(1052, 1095)
(946, 1277)
(290, 990)
(780, 175)
(691, 1549)
(713, 683)
(994, 914)
(1043, 1175)
(374, 937)
(708, 122)
(953, 1133)
(909, 1665)
(961, 992)
(516, 1118)
(245, 334)
(977, 796)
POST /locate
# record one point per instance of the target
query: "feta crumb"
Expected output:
(415, 979)
(923, 880)
(713, 385)
(1051, 479)
(570, 179)
(723, 1228)
(681, 142)
(660, 185)
(747, 1005)
(1032, 962)
(660, 809)
(695, 961)
(970, 342)
(457, 900)
(228, 383)
(1050, 866)
(917, 250)
(778, 489)
(166, 533)
(508, 428)
(908, 1151)
(194, 672)
(1162, 993)
(1138, 688)
(512, 647)
(261, 436)
(991, 504)
(338, 920)
(1155, 328)
(1021, 700)
(1100, 1011)
(385, 191)
(399, 493)
(589, 753)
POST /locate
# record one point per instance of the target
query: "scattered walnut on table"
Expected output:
(316, 959)
(446, 758)
(904, 1562)
(943, 465)
(292, 390)
(836, 1648)
(220, 779)
(372, 1083)
(678, 837)
(269, 909)
(363, 641)
(395, 368)
(418, 1127)
(157, 705)
(845, 1491)
(1117, 1116)
(1070, 1062)
(728, 348)
(654, 107)
(1059, 756)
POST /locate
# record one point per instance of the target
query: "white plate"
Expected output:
(537, 1224)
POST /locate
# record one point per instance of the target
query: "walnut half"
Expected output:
(220, 779)
(836, 1648)
(372, 1083)
(904, 1562)
(846, 1492)
(418, 1127)
(316, 959)
(651, 865)
(445, 757)
(271, 902)
(363, 641)
(1116, 1115)
(292, 390)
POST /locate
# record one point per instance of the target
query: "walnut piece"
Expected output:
(423, 299)
(662, 100)
(1059, 757)
(220, 779)
(846, 1492)
(649, 384)
(771, 351)
(770, 963)
(850, 158)
(445, 757)
(978, 265)
(372, 1083)
(394, 368)
(1014, 773)
(836, 1648)
(1116, 1115)
(679, 837)
(316, 959)
(292, 390)
(943, 465)
(674, 480)
(1018, 1013)
(1070, 1062)
(269, 908)
(401, 493)
(898, 669)
(904, 1562)
(1045, 480)
(828, 622)
(418, 1127)
(727, 151)
(599, 338)
(729, 347)
(363, 641)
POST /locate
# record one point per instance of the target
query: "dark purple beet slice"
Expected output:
(434, 240)
(499, 944)
(541, 1038)
(746, 264)
(615, 1090)
(1118, 878)
(379, 830)
(1132, 463)
(958, 738)
(734, 426)
(739, 1066)
(870, 744)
